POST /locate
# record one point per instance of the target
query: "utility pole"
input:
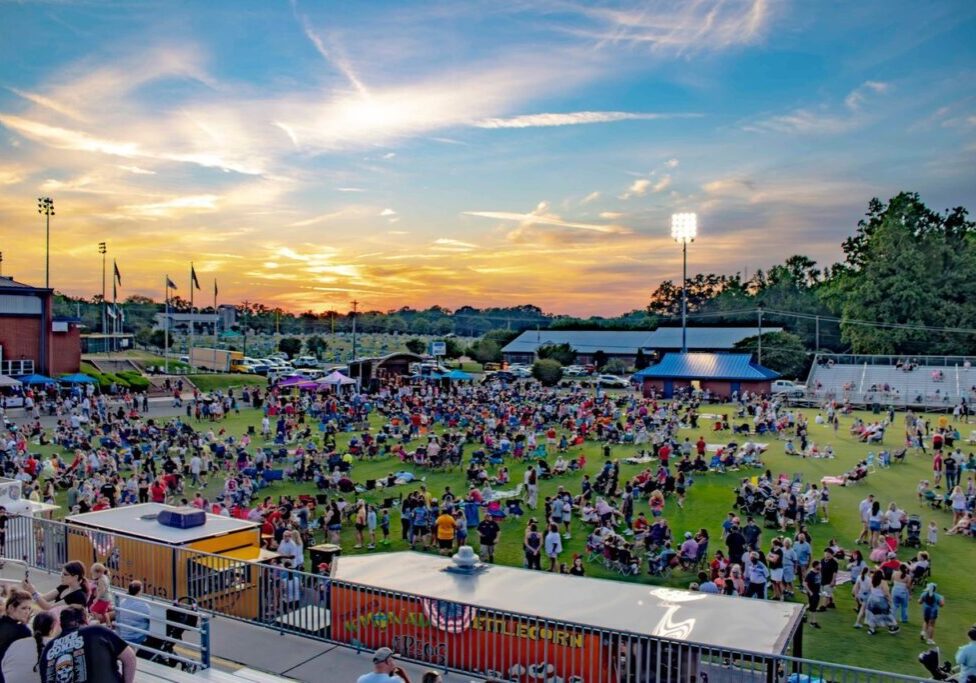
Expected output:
(759, 311)
(355, 304)
(102, 249)
(45, 206)
(818, 334)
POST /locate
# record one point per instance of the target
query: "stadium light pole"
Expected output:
(45, 205)
(102, 249)
(684, 229)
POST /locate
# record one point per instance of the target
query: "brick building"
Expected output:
(31, 339)
(720, 373)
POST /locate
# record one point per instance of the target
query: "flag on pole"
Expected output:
(215, 288)
(111, 311)
(118, 275)
(193, 277)
(170, 283)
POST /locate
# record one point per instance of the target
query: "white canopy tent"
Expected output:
(336, 379)
(9, 381)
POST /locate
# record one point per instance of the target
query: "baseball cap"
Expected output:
(687, 534)
(382, 655)
(891, 556)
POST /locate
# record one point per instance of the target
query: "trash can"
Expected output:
(322, 556)
(876, 408)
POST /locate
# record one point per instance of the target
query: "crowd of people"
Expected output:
(112, 453)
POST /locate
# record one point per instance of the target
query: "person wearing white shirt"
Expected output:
(293, 549)
(554, 546)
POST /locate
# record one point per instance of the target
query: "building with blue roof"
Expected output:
(722, 374)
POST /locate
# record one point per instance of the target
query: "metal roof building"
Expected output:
(720, 374)
(721, 366)
(627, 343)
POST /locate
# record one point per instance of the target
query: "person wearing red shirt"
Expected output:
(700, 445)
(664, 453)
(157, 492)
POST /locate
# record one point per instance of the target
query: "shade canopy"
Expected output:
(77, 378)
(294, 380)
(336, 378)
(36, 379)
(9, 381)
(458, 375)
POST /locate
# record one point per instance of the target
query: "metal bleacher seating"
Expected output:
(934, 382)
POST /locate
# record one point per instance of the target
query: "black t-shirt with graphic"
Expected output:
(86, 655)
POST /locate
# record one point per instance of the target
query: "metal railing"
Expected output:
(165, 642)
(450, 636)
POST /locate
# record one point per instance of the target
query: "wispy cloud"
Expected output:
(591, 197)
(680, 26)
(824, 119)
(573, 119)
(859, 95)
(542, 216)
(48, 103)
(333, 56)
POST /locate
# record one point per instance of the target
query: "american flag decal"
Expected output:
(448, 616)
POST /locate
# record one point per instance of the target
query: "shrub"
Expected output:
(547, 371)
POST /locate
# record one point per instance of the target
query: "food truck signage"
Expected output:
(462, 637)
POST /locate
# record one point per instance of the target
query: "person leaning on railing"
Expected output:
(134, 613)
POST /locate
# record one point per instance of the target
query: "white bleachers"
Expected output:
(151, 672)
(882, 382)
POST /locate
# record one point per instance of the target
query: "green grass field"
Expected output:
(710, 498)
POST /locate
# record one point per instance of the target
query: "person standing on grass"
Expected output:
(532, 545)
(554, 546)
(811, 586)
(864, 509)
(931, 603)
(445, 531)
(829, 569)
(488, 533)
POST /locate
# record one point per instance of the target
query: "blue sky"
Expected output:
(305, 154)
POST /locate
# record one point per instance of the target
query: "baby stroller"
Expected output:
(177, 622)
(939, 671)
(913, 529)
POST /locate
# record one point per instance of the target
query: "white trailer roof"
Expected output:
(760, 626)
(140, 520)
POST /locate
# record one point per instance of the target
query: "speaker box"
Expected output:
(182, 518)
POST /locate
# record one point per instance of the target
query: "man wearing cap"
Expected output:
(384, 669)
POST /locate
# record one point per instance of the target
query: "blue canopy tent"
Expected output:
(36, 379)
(458, 375)
(77, 378)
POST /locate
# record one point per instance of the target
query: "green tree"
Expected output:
(912, 267)
(502, 336)
(316, 345)
(158, 339)
(290, 345)
(486, 351)
(615, 366)
(600, 359)
(453, 348)
(415, 345)
(562, 353)
(548, 371)
(640, 360)
(783, 352)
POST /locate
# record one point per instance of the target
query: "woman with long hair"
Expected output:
(73, 589)
(20, 661)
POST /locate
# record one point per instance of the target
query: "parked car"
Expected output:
(575, 371)
(786, 387)
(612, 381)
(306, 362)
(500, 375)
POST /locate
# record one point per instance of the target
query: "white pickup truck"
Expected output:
(785, 386)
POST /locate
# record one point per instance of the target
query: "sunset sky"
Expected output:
(486, 153)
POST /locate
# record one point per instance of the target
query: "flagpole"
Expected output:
(216, 321)
(166, 328)
(189, 355)
(115, 306)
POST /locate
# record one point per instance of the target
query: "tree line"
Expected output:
(907, 285)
